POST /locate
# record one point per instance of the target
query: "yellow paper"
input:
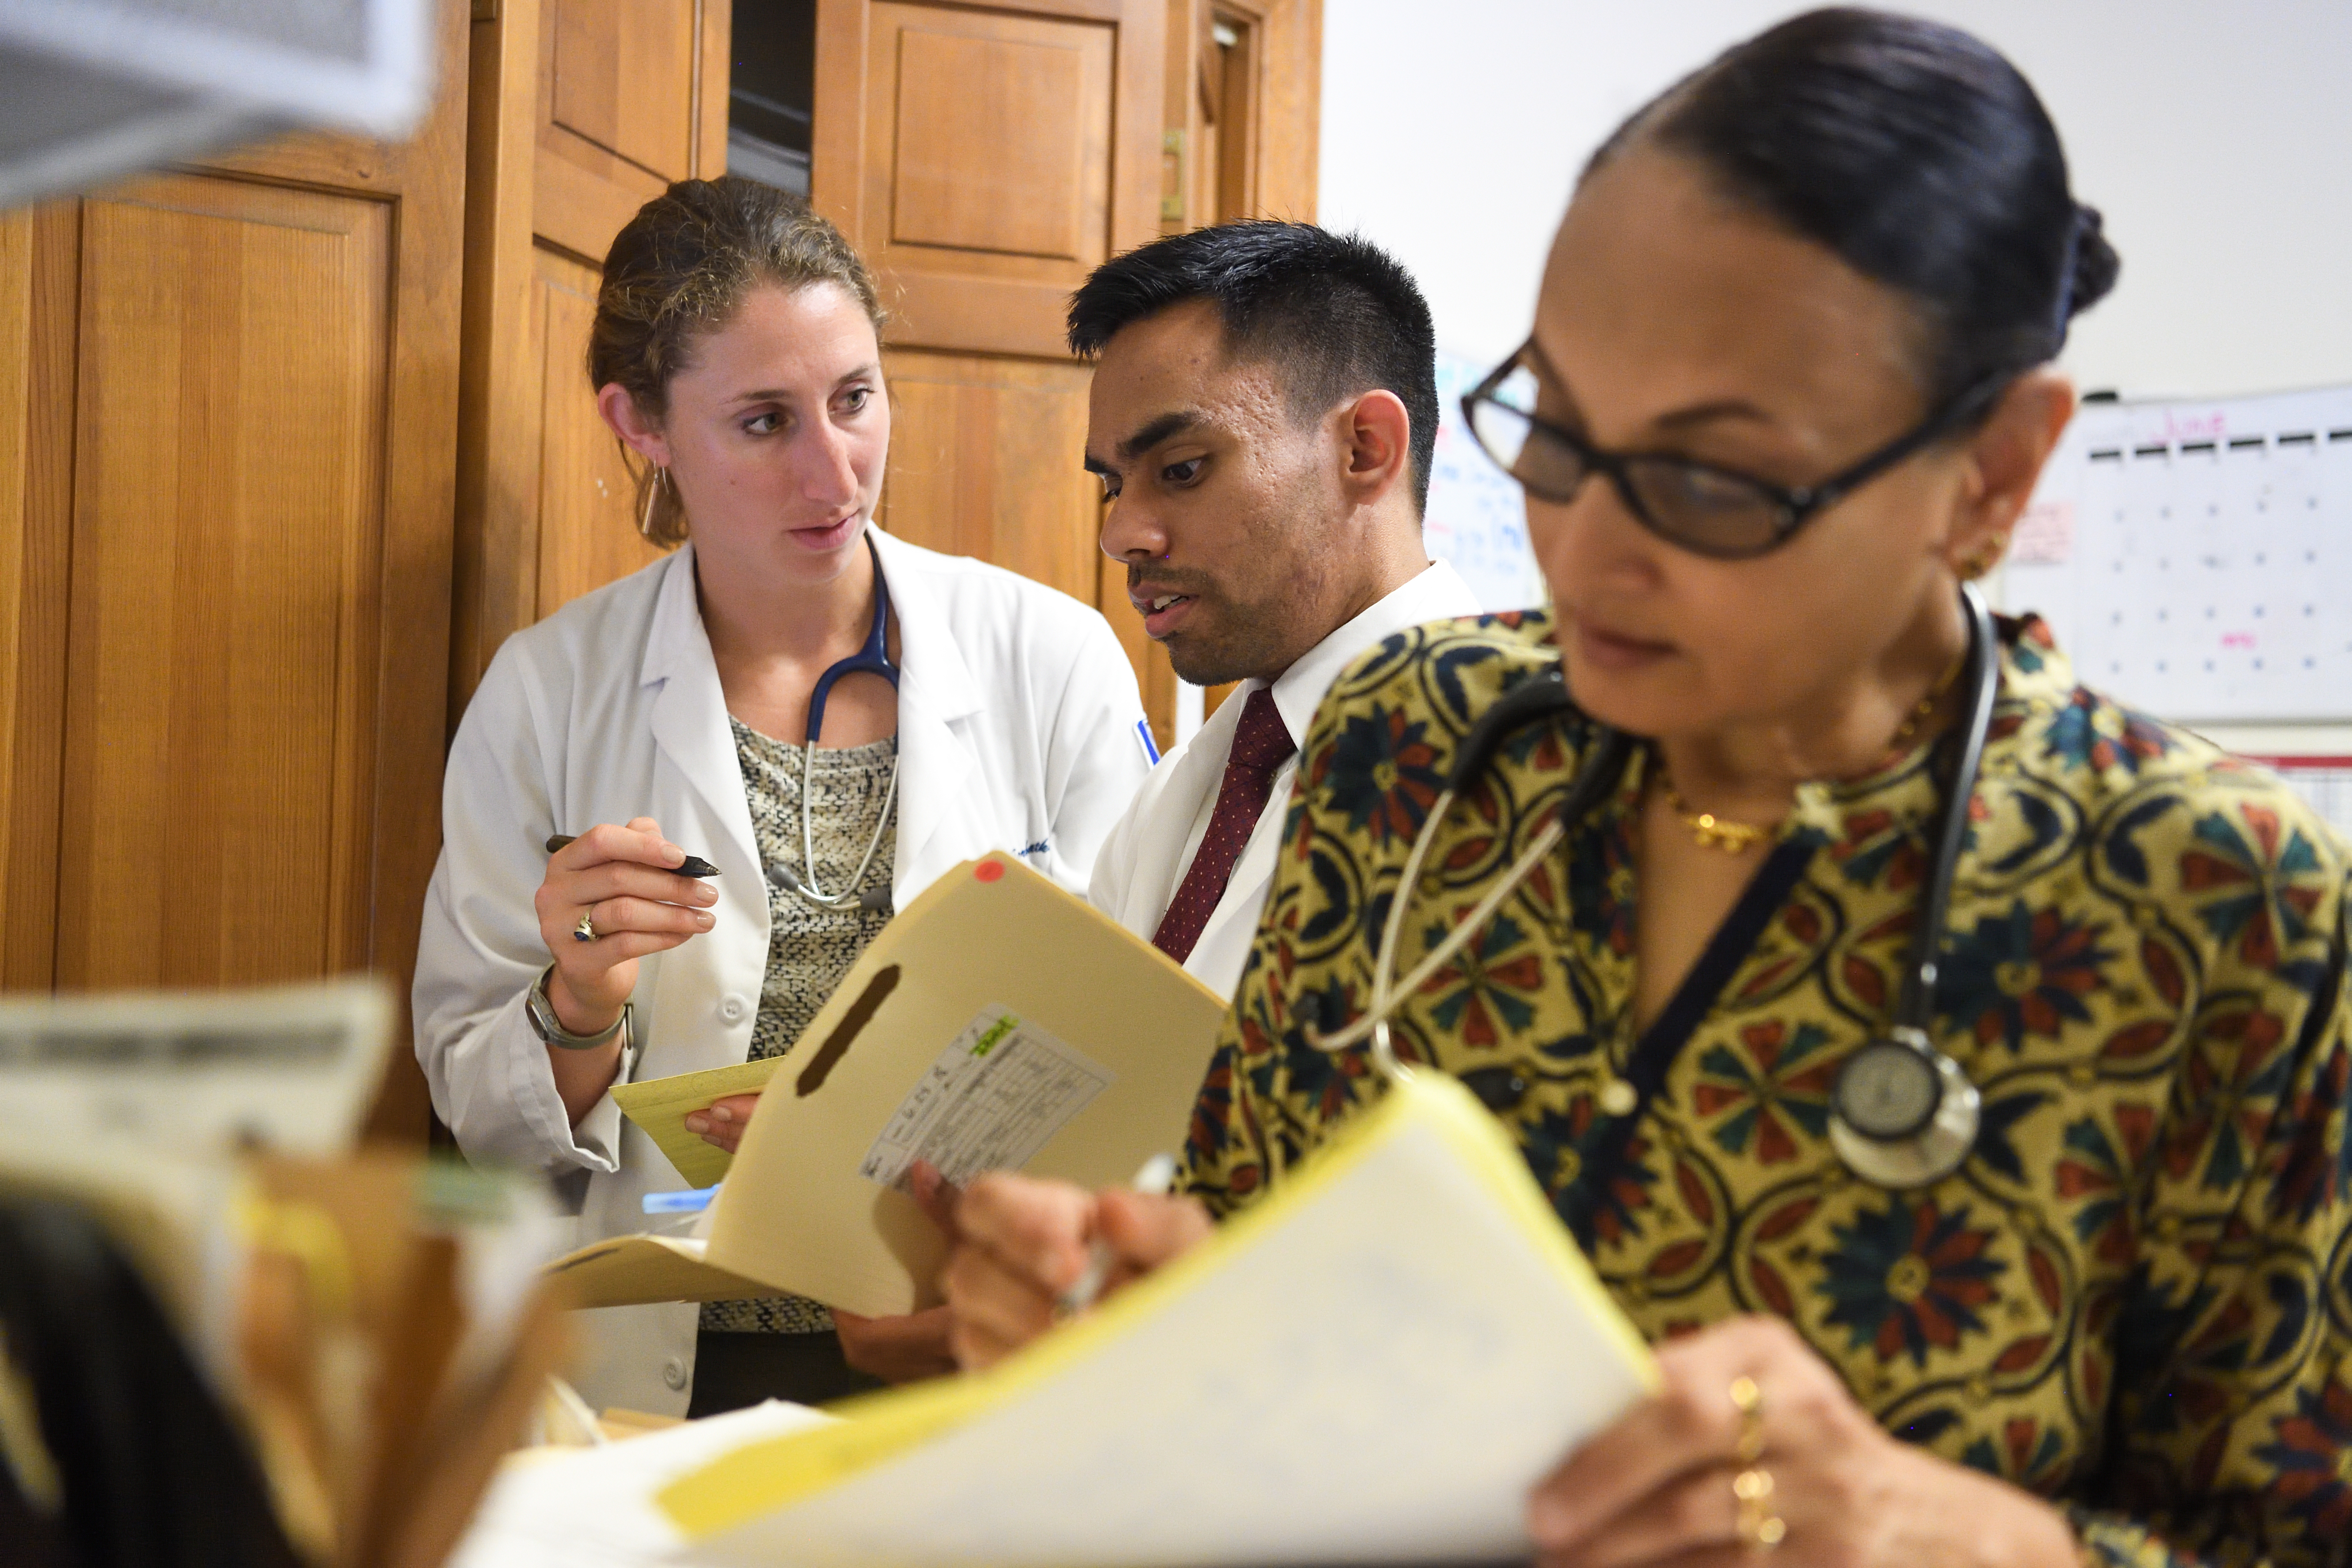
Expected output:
(661, 1106)
(628, 1269)
(1409, 1292)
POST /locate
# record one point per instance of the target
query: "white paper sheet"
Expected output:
(592, 1507)
(290, 1068)
(1377, 1378)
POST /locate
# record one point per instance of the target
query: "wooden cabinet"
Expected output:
(582, 111)
(291, 440)
(227, 402)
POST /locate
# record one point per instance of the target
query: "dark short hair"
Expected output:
(1336, 315)
(1920, 155)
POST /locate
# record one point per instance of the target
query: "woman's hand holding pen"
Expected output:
(624, 880)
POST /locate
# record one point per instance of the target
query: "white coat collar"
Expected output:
(928, 655)
(936, 689)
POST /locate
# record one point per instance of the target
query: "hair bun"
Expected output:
(2095, 261)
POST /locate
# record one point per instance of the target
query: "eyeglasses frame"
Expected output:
(1795, 505)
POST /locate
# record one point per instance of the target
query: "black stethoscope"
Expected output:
(1902, 1113)
(874, 659)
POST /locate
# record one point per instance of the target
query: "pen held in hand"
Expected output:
(1152, 1181)
(692, 866)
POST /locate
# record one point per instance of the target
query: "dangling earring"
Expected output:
(1983, 558)
(653, 488)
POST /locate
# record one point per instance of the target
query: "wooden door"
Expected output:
(985, 162)
(227, 424)
(582, 110)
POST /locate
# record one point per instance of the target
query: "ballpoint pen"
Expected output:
(1152, 1181)
(692, 866)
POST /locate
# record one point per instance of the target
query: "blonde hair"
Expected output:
(678, 272)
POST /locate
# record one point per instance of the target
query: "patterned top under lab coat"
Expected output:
(2134, 1297)
(810, 948)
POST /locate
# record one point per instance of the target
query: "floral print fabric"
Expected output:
(2134, 1297)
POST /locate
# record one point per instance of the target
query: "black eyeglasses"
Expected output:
(1697, 507)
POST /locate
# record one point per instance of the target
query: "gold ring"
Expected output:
(586, 930)
(1759, 1529)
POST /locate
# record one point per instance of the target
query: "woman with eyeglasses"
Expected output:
(2022, 1240)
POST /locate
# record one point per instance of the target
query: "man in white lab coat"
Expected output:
(1262, 415)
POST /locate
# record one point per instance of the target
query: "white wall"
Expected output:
(2213, 136)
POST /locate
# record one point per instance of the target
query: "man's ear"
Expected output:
(2005, 459)
(1376, 434)
(627, 421)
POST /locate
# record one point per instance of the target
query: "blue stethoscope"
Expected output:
(874, 659)
(1901, 1113)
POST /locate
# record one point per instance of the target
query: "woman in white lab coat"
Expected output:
(967, 709)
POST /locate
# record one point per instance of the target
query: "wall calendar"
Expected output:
(2195, 559)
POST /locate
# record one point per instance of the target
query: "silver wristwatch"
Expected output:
(549, 1027)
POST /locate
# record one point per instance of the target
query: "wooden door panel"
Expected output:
(984, 460)
(583, 111)
(1036, 93)
(587, 530)
(227, 531)
(985, 162)
(625, 99)
(583, 208)
(624, 79)
(227, 412)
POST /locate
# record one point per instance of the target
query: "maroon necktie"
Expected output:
(1260, 746)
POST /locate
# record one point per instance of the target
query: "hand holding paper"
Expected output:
(1408, 1291)
(721, 1124)
(662, 1105)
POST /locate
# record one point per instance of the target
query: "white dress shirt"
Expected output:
(1151, 849)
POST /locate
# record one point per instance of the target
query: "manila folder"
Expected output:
(1373, 1365)
(997, 1023)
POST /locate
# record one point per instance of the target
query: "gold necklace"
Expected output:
(1715, 832)
(1712, 832)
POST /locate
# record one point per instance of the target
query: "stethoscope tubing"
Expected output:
(1547, 696)
(873, 659)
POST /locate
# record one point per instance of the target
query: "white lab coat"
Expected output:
(1017, 715)
(1144, 860)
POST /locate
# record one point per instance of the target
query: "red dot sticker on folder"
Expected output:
(988, 870)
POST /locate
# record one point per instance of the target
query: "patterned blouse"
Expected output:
(2134, 1297)
(809, 949)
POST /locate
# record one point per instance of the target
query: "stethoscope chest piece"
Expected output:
(1902, 1114)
